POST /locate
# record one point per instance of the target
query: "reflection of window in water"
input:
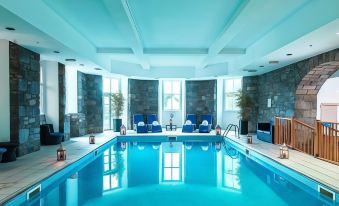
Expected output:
(111, 169)
(171, 167)
(231, 173)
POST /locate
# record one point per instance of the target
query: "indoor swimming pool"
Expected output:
(177, 173)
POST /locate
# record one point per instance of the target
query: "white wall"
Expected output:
(71, 76)
(4, 92)
(51, 92)
(329, 92)
(124, 91)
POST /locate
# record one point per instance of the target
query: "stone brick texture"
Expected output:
(24, 70)
(62, 99)
(75, 125)
(292, 89)
(201, 98)
(142, 98)
(90, 101)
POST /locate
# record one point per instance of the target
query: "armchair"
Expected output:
(206, 125)
(48, 136)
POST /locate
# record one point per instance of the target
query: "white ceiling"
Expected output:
(173, 38)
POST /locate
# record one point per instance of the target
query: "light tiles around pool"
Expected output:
(26, 171)
(318, 170)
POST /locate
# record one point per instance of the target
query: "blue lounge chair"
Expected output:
(188, 127)
(205, 128)
(136, 119)
(152, 123)
(193, 119)
(142, 127)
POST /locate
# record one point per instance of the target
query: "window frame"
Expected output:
(233, 94)
(111, 170)
(234, 174)
(42, 92)
(108, 94)
(171, 95)
(172, 167)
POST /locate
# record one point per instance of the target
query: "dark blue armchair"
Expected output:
(193, 119)
(206, 128)
(136, 119)
(48, 136)
(152, 126)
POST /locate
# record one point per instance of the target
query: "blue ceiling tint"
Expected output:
(92, 19)
(182, 24)
(175, 38)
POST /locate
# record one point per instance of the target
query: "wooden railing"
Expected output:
(294, 134)
(327, 141)
(321, 141)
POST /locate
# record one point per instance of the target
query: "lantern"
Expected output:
(122, 130)
(284, 153)
(61, 153)
(123, 146)
(91, 139)
(249, 139)
(218, 146)
(218, 130)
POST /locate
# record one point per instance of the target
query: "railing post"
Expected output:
(292, 133)
(276, 130)
(316, 139)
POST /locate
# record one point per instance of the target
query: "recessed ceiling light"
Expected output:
(82, 65)
(10, 28)
(97, 68)
(289, 54)
(57, 52)
(310, 45)
(70, 60)
(273, 62)
(261, 66)
(252, 70)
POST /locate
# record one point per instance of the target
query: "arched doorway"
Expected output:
(308, 88)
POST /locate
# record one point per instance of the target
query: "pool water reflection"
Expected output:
(175, 173)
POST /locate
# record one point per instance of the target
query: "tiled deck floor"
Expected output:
(319, 170)
(29, 169)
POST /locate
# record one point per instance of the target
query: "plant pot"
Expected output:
(243, 127)
(117, 124)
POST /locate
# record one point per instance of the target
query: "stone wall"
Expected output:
(201, 98)
(24, 68)
(62, 99)
(90, 101)
(75, 124)
(142, 98)
(250, 87)
(281, 87)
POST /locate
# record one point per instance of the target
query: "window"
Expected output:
(171, 170)
(231, 88)
(109, 86)
(41, 92)
(171, 95)
(231, 173)
(111, 175)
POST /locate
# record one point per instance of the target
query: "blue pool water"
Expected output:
(177, 174)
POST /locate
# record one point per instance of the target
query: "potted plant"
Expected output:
(117, 109)
(244, 103)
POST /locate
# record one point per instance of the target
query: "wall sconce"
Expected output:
(61, 153)
(249, 139)
(91, 139)
(284, 152)
(218, 130)
(122, 130)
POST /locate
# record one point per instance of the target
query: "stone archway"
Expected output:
(308, 88)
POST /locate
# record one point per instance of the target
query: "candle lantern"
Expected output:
(249, 139)
(218, 130)
(123, 146)
(122, 130)
(284, 152)
(61, 153)
(218, 146)
(91, 139)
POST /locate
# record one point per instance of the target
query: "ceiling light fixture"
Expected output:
(10, 28)
(97, 68)
(57, 52)
(70, 60)
(261, 66)
(289, 54)
(273, 62)
(82, 65)
(252, 70)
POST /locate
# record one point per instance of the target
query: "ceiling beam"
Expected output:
(122, 15)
